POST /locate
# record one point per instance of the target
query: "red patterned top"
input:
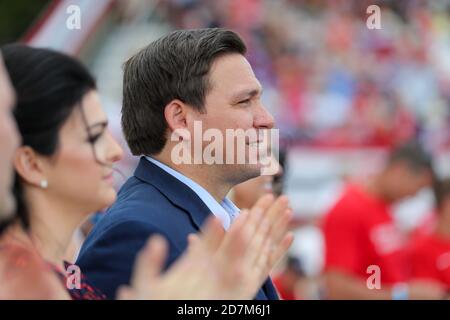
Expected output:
(77, 285)
(25, 275)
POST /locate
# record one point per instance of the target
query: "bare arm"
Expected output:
(340, 285)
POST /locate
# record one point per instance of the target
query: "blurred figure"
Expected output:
(64, 165)
(360, 233)
(26, 274)
(9, 140)
(287, 281)
(430, 254)
(245, 194)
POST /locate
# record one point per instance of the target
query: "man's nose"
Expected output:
(263, 118)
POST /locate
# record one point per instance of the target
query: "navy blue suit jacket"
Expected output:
(150, 202)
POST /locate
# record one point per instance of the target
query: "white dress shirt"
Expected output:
(226, 211)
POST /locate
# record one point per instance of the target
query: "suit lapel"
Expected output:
(176, 191)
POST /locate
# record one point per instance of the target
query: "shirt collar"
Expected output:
(226, 211)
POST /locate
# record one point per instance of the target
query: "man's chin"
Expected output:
(247, 172)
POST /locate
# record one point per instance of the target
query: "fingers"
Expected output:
(261, 260)
(197, 254)
(227, 262)
(196, 269)
(270, 240)
(125, 293)
(276, 210)
(197, 247)
(278, 217)
(259, 240)
(236, 239)
(280, 227)
(270, 225)
(239, 238)
(275, 216)
(264, 202)
(149, 263)
(235, 244)
(258, 212)
(212, 234)
(254, 268)
(281, 249)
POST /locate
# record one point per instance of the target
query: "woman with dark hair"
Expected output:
(16, 262)
(64, 166)
(64, 173)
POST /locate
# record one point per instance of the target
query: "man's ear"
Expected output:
(175, 114)
(29, 165)
(180, 118)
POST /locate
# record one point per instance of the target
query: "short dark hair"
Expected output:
(441, 189)
(175, 66)
(49, 85)
(414, 155)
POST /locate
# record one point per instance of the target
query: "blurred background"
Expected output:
(342, 94)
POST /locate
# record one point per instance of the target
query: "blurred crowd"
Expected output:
(331, 81)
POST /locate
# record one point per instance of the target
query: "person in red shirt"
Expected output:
(430, 254)
(365, 254)
(288, 279)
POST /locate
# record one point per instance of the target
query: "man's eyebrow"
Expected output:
(245, 94)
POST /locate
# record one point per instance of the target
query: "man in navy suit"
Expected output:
(183, 79)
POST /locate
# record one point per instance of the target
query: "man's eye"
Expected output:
(246, 101)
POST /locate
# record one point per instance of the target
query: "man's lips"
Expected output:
(254, 143)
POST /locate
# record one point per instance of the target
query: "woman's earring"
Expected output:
(44, 184)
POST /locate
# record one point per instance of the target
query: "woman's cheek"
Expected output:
(81, 165)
